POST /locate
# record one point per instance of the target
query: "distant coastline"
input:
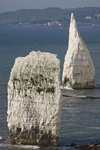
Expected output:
(43, 26)
(51, 17)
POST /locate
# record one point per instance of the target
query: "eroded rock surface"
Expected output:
(34, 100)
(78, 69)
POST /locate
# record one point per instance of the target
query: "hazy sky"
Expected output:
(11, 5)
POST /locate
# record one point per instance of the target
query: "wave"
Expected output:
(27, 146)
(19, 146)
(66, 88)
(98, 128)
(68, 108)
(5, 145)
(1, 138)
(82, 96)
(97, 86)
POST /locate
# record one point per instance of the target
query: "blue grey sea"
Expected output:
(80, 118)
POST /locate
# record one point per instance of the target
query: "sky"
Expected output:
(12, 5)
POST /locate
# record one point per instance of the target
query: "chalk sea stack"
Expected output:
(34, 100)
(78, 69)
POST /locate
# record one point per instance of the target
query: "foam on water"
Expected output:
(27, 146)
(5, 145)
(1, 138)
(19, 146)
(68, 108)
(66, 88)
(98, 128)
(81, 96)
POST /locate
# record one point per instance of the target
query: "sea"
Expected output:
(80, 115)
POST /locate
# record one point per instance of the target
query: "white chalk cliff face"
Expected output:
(34, 100)
(78, 69)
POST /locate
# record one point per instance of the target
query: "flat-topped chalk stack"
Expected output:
(34, 100)
(78, 69)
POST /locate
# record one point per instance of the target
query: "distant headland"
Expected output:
(51, 17)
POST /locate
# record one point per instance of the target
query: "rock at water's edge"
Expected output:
(34, 100)
(78, 69)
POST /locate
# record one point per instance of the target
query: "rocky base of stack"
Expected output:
(76, 86)
(31, 137)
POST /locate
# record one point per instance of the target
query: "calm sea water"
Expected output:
(80, 118)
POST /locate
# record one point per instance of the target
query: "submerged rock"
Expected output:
(78, 69)
(34, 100)
(88, 147)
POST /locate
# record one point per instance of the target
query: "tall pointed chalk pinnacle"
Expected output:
(78, 69)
